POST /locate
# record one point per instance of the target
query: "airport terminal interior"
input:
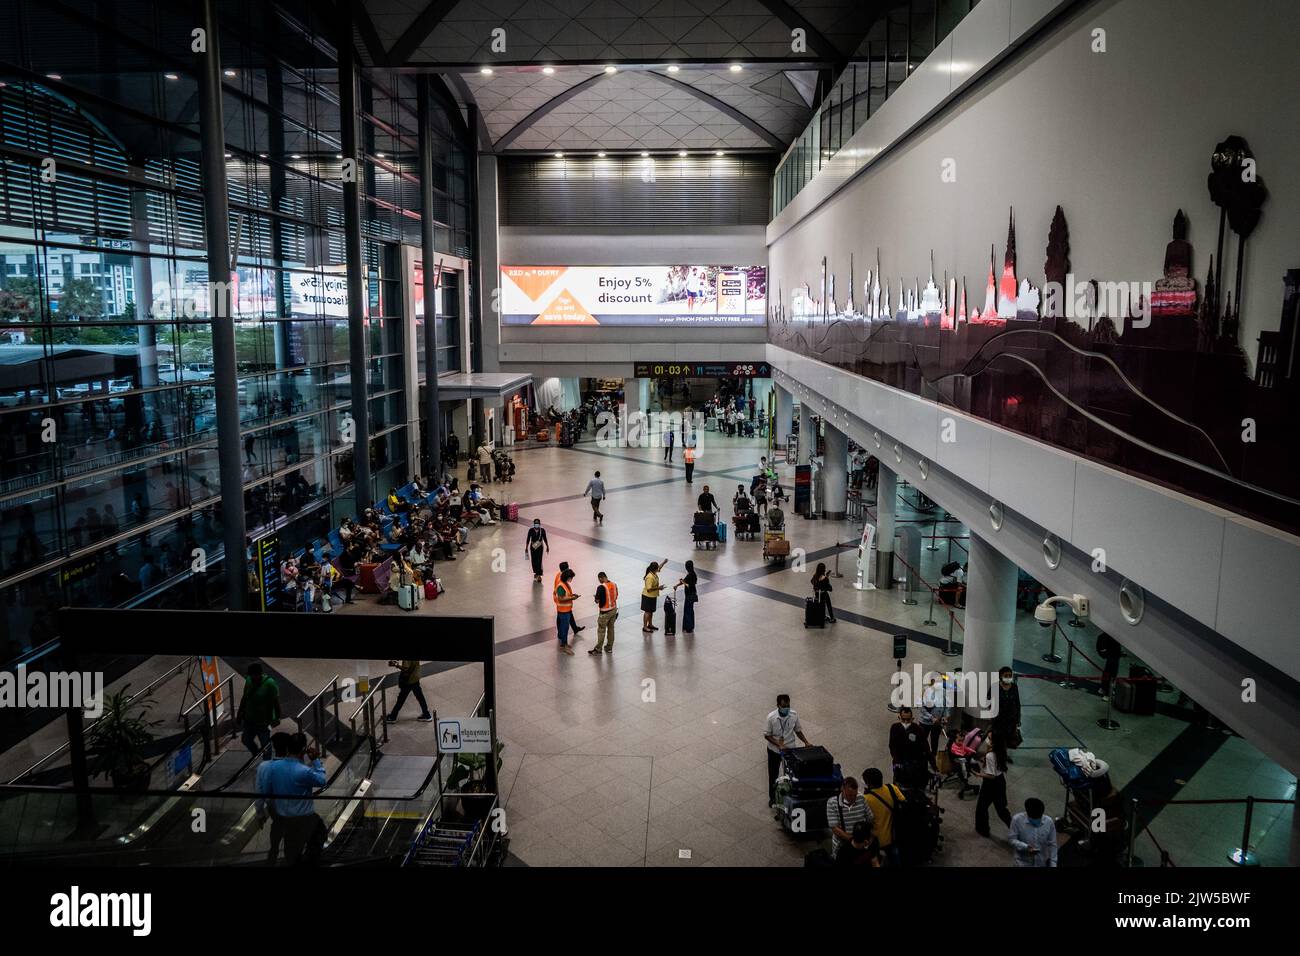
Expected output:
(649, 434)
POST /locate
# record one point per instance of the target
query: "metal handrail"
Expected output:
(90, 728)
(186, 712)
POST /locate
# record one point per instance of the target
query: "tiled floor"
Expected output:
(654, 755)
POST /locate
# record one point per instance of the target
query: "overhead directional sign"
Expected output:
(701, 369)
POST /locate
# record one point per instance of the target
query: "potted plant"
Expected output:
(118, 739)
(467, 773)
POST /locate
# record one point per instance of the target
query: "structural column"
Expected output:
(432, 408)
(358, 366)
(835, 475)
(784, 423)
(216, 221)
(988, 640)
(886, 498)
(807, 438)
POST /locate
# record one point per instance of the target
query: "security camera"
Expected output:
(1045, 613)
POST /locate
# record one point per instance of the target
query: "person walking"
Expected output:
(564, 598)
(1007, 722)
(688, 455)
(650, 595)
(607, 606)
(1111, 652)
(993, 790)
(1033, 836)
(689, 581)
(408, 683)
(533, 547)
(668, 445)
(259, 710)
(821, 585)
(783, 732)
(933, 711)
(706, 502)
(596, 488)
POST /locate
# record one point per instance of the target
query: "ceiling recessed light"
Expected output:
(736, 68)
(645, 155)
(263, 155)
(673, 68)
(170, 76)
(297, 156)
(719, 153)
(53, 76)
(559, 155)
(682, 154)
(228, 155)
(229, 72)
(601, 155)
(548, 70)
(338, 155)
(380, 155)
(486, 71)
(611, 69)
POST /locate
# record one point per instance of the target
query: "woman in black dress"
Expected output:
(533, 547)
(692, 595)
(821, 584)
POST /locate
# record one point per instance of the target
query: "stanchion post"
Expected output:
(934, 530)
(1132, 832)
(929, 616)
(1243, 855)
(1051, 656)
(1106, 723)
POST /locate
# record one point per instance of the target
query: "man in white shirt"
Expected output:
(596, 488)
(783, 732)
(1033, 836)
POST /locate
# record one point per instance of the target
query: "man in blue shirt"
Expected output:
(291, 782)
(280, 742)
(1033, 836)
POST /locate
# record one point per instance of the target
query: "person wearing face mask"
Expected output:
(908, 750)
(1007, 722)
(1033, 836)
(783, 731)
(533, 547)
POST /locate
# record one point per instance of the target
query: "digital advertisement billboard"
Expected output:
(634, 295)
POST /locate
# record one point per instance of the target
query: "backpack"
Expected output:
(916, 826)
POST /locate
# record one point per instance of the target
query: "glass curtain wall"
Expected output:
(900, 38)
(108, 461)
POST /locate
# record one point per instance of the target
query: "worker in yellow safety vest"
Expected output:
(607, 601)
(690, 463)
(564, 598)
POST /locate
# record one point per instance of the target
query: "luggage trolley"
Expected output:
(443, 844)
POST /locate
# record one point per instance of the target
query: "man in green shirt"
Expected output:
(259, 710)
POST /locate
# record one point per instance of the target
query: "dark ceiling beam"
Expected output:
(481, 129)
(808, 62)
(744, 120)
(523, 125)
(793, 19)
(419, 30)
(369, 35)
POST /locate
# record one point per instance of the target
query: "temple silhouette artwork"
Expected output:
(1148, 377)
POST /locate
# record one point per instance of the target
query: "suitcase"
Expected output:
(814, 615)
(431, 589)
(408, 597)
(511, 511)
(670, 617)
(813, 818)
(722, 531)
(809, 762)
(779, 547)
(366, 583)
(824, 787)
(702, 517)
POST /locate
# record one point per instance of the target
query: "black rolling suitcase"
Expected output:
(814, 615)
(670, 617)
(807, 763)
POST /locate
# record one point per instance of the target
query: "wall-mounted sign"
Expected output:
(702, 369)
(634, 295)
(318, 294)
